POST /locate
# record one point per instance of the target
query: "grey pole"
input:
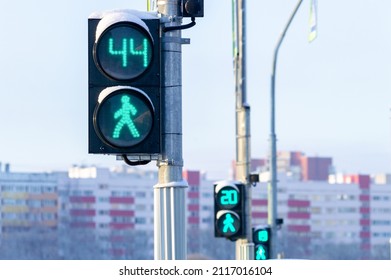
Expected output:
(169, 193)
(244, 246)
(390, 248)
(272, 187)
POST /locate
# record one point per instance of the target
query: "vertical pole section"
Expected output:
(169, 193)
(244, 246)
(272, 187)
(390, 248)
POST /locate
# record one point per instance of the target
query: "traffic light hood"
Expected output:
(111, 18)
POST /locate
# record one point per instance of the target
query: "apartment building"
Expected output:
(109, 212)
(27, 200)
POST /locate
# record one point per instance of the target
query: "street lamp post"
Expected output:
(272, 187)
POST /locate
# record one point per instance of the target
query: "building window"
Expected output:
(6, 188)
(141, 221)
(103, 212)
(141, 194)
(206, 195)
(103, 199)
(381, 223)
(121, 219)
(316, 210)
(347, 210)
(140, 207)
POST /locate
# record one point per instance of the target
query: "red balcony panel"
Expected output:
(298, 203)
(124, 200)
(82, 225)
(83, 212)
(365, 234)
(82, 199)
(259, 202)
(259, 215)
(366, 246)
(194, 207)
(365, 222)
(364, 210)
(193, 195)
(122, 213)
(364, 181)
(121, 226)
(299, 228)
(364, 197)
(193, 220)
(299, 215)
(192, 177)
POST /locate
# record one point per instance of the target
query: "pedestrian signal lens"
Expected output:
(262, 235)
(124, 118)
(261, 252)
(228, 197)
(228, 223)
(124, 51)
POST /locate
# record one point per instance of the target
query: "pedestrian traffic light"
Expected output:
(262, 242)
(229, 204)
(124, 84)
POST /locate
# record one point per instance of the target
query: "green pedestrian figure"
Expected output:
(260, 254)
(228, 223)
(127, 110)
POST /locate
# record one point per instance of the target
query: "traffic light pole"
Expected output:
(244, 246)
(169, 193)
(272, 187)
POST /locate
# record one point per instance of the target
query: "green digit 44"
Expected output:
(130, 48)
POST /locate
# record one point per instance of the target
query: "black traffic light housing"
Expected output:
(124, 79)
(262, 242)
(193, 8)
(229, 209)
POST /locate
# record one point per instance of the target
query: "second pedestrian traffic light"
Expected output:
(124, 83)
(229, 209)
(262, 241)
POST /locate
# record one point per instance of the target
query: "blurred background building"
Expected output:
(101, 213)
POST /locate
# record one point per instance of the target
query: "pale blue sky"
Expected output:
(333, 95)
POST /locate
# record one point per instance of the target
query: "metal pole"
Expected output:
(390, 248)
(169, 193)
(272, 187)
(244, 246)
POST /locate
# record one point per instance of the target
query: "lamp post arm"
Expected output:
(282, 36)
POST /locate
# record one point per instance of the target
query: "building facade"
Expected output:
(109, 213)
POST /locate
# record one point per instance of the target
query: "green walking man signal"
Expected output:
(229, 224)
(260, 253)
(125, 113)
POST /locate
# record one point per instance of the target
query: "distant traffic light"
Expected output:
(229, 202)
(124, 83)
(193, 8)
(262, 242)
